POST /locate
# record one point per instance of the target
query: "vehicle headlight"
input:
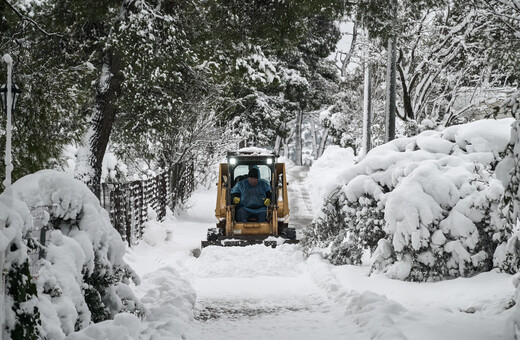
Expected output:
(269, 161)
(232, 161)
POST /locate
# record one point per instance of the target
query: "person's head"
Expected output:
(252, 176)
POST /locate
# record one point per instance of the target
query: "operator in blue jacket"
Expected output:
(252, 196)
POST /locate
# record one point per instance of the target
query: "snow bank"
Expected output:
(154, 231)
(83, 276)
(433, 197)
(124, 327)
(374, 313)
(169, 301)
(323, 174)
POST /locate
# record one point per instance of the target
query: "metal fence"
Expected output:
(38, 237)
(128, 203)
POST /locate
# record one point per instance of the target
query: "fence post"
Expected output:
(119, 211)
(128, 214)
(142, 210)
(128, 203)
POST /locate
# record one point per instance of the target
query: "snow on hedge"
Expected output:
(83, 277)
(169, 301)
(426, 206)
(21, 304)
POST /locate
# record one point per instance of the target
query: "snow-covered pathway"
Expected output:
(299, 198)
(261, 293)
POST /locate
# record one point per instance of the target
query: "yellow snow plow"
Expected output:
(239, 223)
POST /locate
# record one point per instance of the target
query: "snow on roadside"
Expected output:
(124, 327)
(169, 301)
(372, 312)
(323, 174)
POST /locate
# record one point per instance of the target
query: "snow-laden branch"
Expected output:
(26, 18)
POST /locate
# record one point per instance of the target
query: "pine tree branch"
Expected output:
(25, 18)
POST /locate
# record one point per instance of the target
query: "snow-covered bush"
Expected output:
(427, 206)
(507, 256)
(22, 313)
(83, 277)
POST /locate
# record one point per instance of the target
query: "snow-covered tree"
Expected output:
(426, 207)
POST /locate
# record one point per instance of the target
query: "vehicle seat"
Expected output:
(239, 178)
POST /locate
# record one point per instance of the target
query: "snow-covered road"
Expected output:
(257, 292)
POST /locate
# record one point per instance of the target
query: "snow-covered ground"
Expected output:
(257, 292)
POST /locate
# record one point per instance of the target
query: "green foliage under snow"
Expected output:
(426, 208)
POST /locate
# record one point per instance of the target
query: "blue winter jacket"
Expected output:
(252, 198)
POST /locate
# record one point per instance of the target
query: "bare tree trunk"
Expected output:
(298, 138)
(390, 91)
(323, 142)
(314, 139)
(277, 145)
(367, 110)
(407, 100)
(286, 147)
(90, 155)
(344, 57)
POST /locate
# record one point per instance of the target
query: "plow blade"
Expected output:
(242, 241)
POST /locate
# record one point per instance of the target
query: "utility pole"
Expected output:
(7, 182)
(367, 102)
(390, 91)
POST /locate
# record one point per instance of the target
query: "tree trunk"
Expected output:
(277, 145)
(286, 148)
(298, 138)
(367, 110)
(407, 100)
(390, 91)
(323, 142)
(314, 135)
(90, 155)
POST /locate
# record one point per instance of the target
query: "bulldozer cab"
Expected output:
(228, 230)
(240, 173)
